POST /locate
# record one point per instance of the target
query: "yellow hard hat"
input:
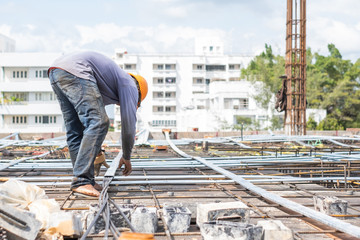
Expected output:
(142, 87)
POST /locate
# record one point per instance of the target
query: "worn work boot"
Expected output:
(87, 190)
(99, 160)
(98, 187)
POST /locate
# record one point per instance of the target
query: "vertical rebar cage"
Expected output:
(295, 68)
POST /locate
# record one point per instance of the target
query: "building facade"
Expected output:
(193, 92)
(198, 92)
(27, 102)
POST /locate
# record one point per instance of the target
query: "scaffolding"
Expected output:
(295, 68)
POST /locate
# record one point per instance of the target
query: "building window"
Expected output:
(170, 80)
(170, 109)
(17, 74)
(158, 94)
(158, 66)
(198, 67)
(14, 74)
(234, 66)
(130, 66)
(45, 119)
(164, 123)
(215, 67)
(244, 103)
(19, 119)
(25, 74)
(41, 74)
(211, 48)
(38, 96)
(170, 94)
(158, 80)
(14, 97)
(170, 66)
(236, 103)
(45, 74)
(38, 73)
(158, 108)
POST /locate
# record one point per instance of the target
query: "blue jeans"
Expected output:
(85, 120)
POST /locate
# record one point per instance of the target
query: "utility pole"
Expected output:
(295, 68)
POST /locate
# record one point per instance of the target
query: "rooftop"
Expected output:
(267, 173)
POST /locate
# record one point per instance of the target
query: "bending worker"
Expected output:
(84, 83)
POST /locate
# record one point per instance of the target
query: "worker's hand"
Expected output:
(99, 160)
(128, 169)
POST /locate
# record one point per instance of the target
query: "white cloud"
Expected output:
(323, 31)
(357, 26)
(30, 27)
(177, 12)
(146, 39)
(5, 29)
(105, 32)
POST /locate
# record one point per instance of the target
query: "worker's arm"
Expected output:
(128, 96)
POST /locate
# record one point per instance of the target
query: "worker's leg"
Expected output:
(73, 125)
(87, 101)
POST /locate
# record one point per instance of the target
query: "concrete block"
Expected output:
(116, 217)
(177, 219)
(144, 220)
(275, 230)
(66, 223)
(230, 231)
(219, 211)
(330, 205)
(18, 224)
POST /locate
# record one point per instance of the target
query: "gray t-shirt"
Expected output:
(115, 85)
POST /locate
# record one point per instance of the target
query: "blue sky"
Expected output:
(172, 25)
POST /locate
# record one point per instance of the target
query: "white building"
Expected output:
(27, 102)
(201, 91)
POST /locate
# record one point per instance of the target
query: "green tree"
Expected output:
(265, 69)
(277, 122)
(311, 124)
(332, 84)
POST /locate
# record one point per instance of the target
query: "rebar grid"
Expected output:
(166, 168)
